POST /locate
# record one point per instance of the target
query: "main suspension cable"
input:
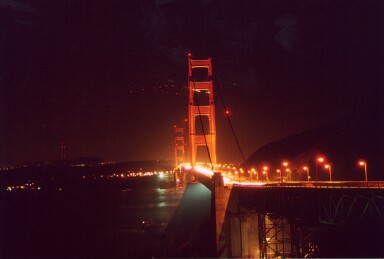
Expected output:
(229, 120)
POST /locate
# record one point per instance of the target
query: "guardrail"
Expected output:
(244, 182)
(323, 185)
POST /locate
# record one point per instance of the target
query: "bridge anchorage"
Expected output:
(255, 219)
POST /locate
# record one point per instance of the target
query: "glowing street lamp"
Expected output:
(253, 172)
(288, 174)
(266, 175)
(328, 166)
(318, 160)
(257, 175)
(305, 168)
(364, 164)
(265, 171)
(279, 172)
(285, 165)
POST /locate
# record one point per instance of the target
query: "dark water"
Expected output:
(94, 221)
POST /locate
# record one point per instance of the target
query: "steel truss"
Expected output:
(343, 209)
(275, 236)
(282, 238)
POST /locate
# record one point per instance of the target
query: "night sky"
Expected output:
(109, 77)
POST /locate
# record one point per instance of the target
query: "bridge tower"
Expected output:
(179, 146)
(200, 82)
(63, 151)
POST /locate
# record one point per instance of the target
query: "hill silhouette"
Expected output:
(358, 135)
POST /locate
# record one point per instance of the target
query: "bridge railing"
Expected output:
(325, 184)
(241, 181)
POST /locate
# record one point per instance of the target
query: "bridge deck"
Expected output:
(205, 175)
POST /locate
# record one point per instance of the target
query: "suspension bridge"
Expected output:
(259, 216)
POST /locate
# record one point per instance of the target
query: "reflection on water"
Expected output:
(158, 205)
(90, 222)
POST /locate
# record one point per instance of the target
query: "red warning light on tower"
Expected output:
(63, 150)
(227, 112)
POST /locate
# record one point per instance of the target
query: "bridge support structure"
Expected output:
(309, 222)
(220, 196)
(277, 237)
(200, 81)
(179, 146)
(276, 222)
(236, 230)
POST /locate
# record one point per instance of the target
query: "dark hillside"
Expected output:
(358, 135)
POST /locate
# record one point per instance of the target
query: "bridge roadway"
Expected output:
(274, 219)
(205, 176)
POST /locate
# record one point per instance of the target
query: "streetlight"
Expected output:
(265, 171)
(305, 168)
(328, 166)
(320, 160)
(364, 163)
(285, 165)
(279, 172)
(288, 174)
(253, 171)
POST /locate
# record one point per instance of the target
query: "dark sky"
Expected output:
(109, 77)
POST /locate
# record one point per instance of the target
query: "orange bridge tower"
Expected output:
(179, 146)
(201, 105)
